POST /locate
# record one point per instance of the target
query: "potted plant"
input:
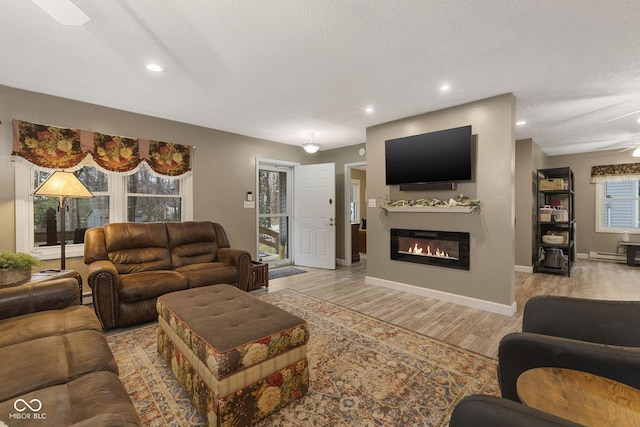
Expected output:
(15, 268)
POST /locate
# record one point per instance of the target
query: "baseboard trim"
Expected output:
(524, 269)
(505, 310)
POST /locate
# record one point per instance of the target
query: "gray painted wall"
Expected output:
(529, 158)
(491, 277)
(224, 170)
(224, 163)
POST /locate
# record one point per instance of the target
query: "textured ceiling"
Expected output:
(282, 68)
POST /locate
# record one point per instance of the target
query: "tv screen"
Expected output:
(431, 157)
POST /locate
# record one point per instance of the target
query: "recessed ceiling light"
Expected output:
(521, 123)
(154, 67)
(638, 119)
(369, 109)
(445, 87)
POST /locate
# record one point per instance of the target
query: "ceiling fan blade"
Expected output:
(63, 11)
(622, 116)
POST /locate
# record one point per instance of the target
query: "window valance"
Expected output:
(619, 172)
(61, 148)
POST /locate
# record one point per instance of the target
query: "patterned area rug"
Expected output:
(363, 372)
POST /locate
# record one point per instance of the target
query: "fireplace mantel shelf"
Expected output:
(450, 209)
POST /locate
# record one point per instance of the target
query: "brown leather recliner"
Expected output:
(132, 264)
(57, 360)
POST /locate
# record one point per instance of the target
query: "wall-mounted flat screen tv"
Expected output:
(430, 157)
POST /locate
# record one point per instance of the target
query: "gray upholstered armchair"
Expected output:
(595, 336)
(479, 410)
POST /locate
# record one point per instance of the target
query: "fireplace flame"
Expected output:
(418, 250)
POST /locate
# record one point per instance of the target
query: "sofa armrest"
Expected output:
(104, 280)
(519, 352)
(605, 322)
(489, 411)
(240, 259)
(39, 296)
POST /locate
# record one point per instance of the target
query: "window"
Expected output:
(274, 202)
(141, 197)
(617, 205)
(153, 198)
(80, 213)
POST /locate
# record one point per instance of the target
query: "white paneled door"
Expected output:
(315, 214)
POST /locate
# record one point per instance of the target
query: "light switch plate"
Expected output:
(372, 203)
(249, 205)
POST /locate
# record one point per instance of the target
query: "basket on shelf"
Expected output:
(552, 184)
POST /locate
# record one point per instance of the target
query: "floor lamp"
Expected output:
(63, 185)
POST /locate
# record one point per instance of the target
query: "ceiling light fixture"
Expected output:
(636, 152)
(63, 11)
(369, 110)
(521, 123)
(445, 87)
(154, 67)
(310, 144)
(638, 119)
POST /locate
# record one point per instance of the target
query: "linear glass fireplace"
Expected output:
(441, 248)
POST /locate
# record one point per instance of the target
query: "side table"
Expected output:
(258, 275)
(632, 248)
(580, 397)
(57, 274)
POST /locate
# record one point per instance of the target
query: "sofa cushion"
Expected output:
(209, 273)
(46, 323)
(191, 242)
(52, 360)
(150, 284)
(136, 247)
(95, 399)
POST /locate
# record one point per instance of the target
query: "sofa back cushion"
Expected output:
(136, 247)
(194, 242)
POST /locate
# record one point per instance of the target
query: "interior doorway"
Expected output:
(355, 215)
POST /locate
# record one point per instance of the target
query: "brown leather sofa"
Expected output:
(57, 368)
(132, 264)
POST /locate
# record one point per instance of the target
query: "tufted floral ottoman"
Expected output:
(238, 358)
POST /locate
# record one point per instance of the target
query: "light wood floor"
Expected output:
(472, 329)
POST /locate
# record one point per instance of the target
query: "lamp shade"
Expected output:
(636, 152)
(63, 184)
